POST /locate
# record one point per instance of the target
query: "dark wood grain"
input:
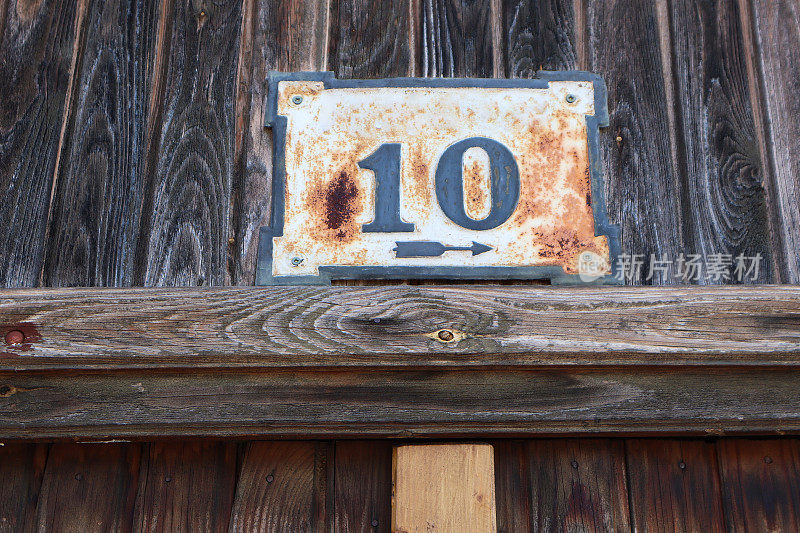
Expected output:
(89, 488)
(512, 486)
(186, 486)
(363, 486)
(284, 486)
(644, 187)
(577, 485)
(726, 211)
(276, 35)
(21, 469)
(324, 327)
(760, 484)
(187, 206)
(539, 36)
(36, 50)
(674, 485)
(372, 39)
(398, 403)
(777, 37)
(98, 193)
(461, 38)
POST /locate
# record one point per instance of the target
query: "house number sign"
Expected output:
(436, 179)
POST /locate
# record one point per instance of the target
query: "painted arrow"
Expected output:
(434, 249)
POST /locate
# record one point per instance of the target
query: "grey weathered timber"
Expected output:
(398, 403)
(325, 327)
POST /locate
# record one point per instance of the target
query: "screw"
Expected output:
(374, 523)
(296, 261)
(571, 98)
(78, 477)
(15, 337)
(682, 465)
(574, 464)
(446, 335)
(167, 479)
(297, 99)
(768, 459)
(270, 478)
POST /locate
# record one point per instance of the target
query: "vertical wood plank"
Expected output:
(644, 188)
(276, 35)
(760, 484)
(98, 193)
(674, 485)
(726, 210)
(185, 223)
(89, 487)
(21, 469)
(512, 486)
(577, 485)
(371, 39)
(284, 486)
(777, 32)
(539, 36)
(458, 38)
(363, 486)
(36, 48)
(187, 486)
(443, 487)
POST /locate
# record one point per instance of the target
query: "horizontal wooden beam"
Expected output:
(399, 326)
(369, 361)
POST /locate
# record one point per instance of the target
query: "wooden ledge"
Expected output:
(399, 361)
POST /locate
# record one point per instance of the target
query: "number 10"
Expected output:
(449, 185)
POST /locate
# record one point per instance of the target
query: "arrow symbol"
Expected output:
(434, 249)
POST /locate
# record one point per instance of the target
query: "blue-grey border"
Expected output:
(326, 273)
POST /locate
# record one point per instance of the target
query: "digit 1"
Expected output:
(385, 163)
(504, 183)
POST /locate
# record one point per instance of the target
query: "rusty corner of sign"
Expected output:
(556, 274)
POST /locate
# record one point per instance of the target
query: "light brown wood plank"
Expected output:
(397, 326)
(443, 487)
(674, 485)
(356, 404)
(186, 486)
(284, 486)
(21, 469)
(760, 484)
(89, 488)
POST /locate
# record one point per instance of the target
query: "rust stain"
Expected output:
(336, 205)
(30, 335)
(476, 193)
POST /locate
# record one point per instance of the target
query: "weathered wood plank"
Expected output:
(777, 34)
(186, 486)
(98, 192)
(399, 402)
(284, 486)
(276, 35)
(461, 38)
(540, 36)
(674, 485)
(574, 485)
(644, 188)
(512, 486)
(443, 487)
(187, 201)
(363, 486)
(397, 326)
(760, 484)
(89, 488)
(726, 211)
(36, 47)
(21, 469)
(372, 39)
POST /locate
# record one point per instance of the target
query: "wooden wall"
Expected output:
(132, 152)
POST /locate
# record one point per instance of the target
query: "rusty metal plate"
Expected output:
(436, 178)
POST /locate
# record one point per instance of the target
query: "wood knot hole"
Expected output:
(445, 335)
(15, 337)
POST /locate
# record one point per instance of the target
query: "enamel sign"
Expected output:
(436, 179)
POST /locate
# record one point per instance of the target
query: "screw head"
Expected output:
(296, 261)
(445, 335)
(15, 337)
(297, 99)
(571, 98)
